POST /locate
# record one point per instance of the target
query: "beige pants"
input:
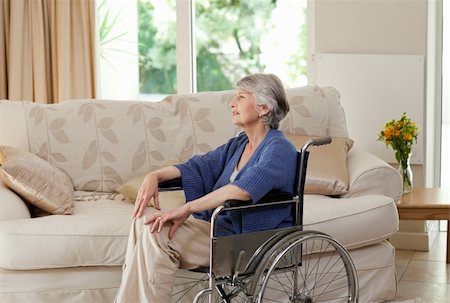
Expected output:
(152, 259)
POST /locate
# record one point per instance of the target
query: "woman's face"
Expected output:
(244, 109)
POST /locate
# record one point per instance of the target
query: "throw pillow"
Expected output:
(36, 180)
(326, 172)
(130, 188)
(167, 199)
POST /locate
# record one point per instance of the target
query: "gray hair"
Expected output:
(267, 89)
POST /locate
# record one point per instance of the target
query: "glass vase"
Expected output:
(404, 168)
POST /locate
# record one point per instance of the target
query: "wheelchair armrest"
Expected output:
(274, 196)
(174, 184)
(236, 203)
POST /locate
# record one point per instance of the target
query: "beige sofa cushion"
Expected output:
(97, 232)
(354, 222)
(11, 205)
(36, 180)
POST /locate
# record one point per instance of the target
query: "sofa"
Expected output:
(64, 227)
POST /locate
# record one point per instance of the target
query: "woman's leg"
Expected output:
(152, 259)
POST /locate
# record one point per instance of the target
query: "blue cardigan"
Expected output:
(271, 167)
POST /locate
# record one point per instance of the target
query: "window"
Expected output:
(157, 47)
(118, 65)
(235, 38)
(146, 54)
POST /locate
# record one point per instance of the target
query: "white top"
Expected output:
(234, 174)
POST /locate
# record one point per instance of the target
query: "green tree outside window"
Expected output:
(229, 36)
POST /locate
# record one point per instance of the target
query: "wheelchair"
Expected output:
(281, 265)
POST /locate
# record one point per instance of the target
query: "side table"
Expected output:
(427, 204)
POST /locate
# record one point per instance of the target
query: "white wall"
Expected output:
(371, 27)
(378, 27)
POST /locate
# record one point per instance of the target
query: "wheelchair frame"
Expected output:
(244, 267)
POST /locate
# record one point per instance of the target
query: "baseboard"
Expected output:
(416, 240)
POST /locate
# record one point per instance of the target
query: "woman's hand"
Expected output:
(175, 216)
(149, 188)
(147, 191)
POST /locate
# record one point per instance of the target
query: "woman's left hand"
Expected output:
(175, 216)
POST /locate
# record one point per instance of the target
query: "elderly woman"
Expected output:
(247, 167)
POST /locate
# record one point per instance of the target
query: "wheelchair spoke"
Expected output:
(326, 287)
(282, 285)
(193, 282)
(319, 277)
(185, 291)
(185, 286)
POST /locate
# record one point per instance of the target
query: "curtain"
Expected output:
(47, 50)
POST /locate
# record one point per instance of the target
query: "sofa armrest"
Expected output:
(11, 205)
(369, 174)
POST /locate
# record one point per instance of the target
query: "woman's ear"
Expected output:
(264, 110)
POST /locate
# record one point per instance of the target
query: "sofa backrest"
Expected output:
(101, 144)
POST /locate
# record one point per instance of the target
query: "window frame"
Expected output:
(185, 45)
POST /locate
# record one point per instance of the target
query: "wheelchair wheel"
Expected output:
(226, 293)
(307, 266)
(192, 287)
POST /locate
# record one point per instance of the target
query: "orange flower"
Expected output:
(388, 133)
(407, 137)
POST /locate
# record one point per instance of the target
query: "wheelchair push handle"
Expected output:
(321, 141)
(315, 142)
